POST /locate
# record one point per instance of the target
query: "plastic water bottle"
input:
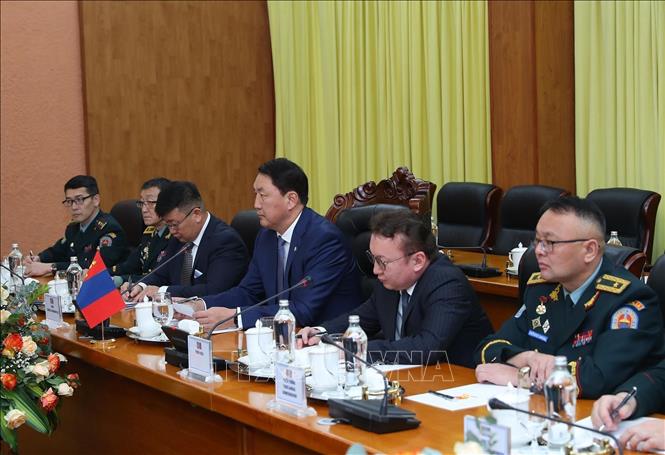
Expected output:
(284, 328)
(561, 401)
(15, 263)
(74, 280)
(355, 340)
(614, 239)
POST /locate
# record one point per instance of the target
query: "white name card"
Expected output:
(290, 385)
(199, 354)
(53, 308)
(493, 438)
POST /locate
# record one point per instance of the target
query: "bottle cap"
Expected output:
(14, 245)
(73, 259)
(560, 361)
(354, 319)
(284, 303)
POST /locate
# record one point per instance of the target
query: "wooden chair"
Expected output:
(403, 188)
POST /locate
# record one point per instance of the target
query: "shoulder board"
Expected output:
(100, 224)
(612, 284)
(149, 230)
(535, 278)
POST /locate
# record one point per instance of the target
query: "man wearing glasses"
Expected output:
(152, 248)
(580, 305)
(216, 260)
(89, 229)
(425, 310)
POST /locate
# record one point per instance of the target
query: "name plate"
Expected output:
(493, 438)
(53, 308)
(199, 354)
(290, 385)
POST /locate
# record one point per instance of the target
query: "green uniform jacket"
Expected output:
(613, 331)
(103, 232)
(650, 390)
(145, 257)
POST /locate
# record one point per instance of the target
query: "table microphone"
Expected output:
(306, 281)
(495, 403)
(185, 247)
(363, 413)
(476, 270)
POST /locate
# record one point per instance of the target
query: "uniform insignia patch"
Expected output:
(106, 241)
(538, 336)
(535, 323)
(149, 230)
(582, 338)
(112, 235)
(592, 301)
(639, 306)
(546, 325)
(611, 283)
(520, 311)
(535, 278)
(624, 318)
(554, 295)
(100, 225)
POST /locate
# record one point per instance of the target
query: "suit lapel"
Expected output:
(296, 240)
(203, 244)
(392, 302)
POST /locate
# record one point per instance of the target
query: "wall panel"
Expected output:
(180, 89)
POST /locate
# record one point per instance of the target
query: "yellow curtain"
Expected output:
(364, 87)
(620, 98)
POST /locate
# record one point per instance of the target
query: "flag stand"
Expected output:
(105, 344)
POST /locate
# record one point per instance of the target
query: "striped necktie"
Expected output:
(187, 268)
(401, 309)
(281, 263)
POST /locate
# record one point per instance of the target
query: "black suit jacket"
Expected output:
(221, 261)
(443, 318)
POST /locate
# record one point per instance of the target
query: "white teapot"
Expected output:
(515, 256)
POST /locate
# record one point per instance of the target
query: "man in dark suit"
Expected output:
(424, 309)
(216, 260)
(294, 242)
(650, 398)
(89, 229)
(580, 305)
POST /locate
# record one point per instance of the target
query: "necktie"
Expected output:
(187, 267)
(281, 263)
(401, 309)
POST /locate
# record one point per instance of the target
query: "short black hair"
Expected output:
(180, 195)
(157, 182)
(582, 208)
(416, 232)
(83, 181)
(287, 176)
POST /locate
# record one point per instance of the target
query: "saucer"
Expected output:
(512, 271)
(133, 333)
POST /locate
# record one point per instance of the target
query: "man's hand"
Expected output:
(37, 269)
(496, 373)
(648, 436)
(541, 365)
(600, 414)
(138, 293)
(308, 338)
(30, 259)
(211, 316)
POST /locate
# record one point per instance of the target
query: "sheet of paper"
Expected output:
(389, 368)
(183, 308)
(623, 426)
(226, 330)
(466, 396)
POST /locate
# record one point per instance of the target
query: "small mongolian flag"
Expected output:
(98, 298)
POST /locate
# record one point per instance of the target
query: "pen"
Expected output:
(615, 412)
(318, 334)
(442, 395)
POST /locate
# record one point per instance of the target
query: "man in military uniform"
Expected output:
(90, 229)
(151, 249)
(603, 319)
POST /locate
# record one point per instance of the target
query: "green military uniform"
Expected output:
(650, 390)
(146, 256)
(103, 232)
(613, 331)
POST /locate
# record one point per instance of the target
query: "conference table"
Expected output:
(498, 295)
(132, 402)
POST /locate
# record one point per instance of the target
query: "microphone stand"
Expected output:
(13, 273)
(362, 413)
(302, 283)
(475, 270)
(495, 403)
(185, 247)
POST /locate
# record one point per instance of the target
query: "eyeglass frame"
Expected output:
(172, 226)
(140, 203)
(382, 263)
(548, 245)
(77, 200)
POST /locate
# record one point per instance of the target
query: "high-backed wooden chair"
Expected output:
(403, 188)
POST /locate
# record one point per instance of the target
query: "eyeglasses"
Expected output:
(76, 201)
(175, 225)
(548, 245)
(383, 263)
(140, 203)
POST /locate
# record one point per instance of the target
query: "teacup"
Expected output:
(517, 398)
(260, 344)
(324, 361)
(146, 325)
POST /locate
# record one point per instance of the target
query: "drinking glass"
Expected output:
(162, 308)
